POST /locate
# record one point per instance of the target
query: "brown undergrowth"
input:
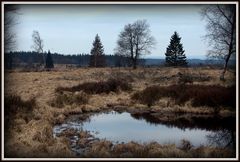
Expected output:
(95, 148)
(201, 95)
(111, 85)
(74, 99)
(28, 107)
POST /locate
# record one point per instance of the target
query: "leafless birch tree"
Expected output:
(38, 44)
(221, 27)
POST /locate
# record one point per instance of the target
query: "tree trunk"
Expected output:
(135, 57)
(225, 67)
(43, 60)
(134, 64)
(230, 49)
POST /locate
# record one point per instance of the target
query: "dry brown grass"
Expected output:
(105, 149)
(15, 107)
(33, 138)
(74, 99)
(111, 85)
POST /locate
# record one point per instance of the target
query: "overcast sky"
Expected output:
(70, 29)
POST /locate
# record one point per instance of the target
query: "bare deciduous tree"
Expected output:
(221, 27)
(135, 40)
(38, 44)
(10, 12)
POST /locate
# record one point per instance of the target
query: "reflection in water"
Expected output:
(125, 127)
(224, 138)
(192, 122)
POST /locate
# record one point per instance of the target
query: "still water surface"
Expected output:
(124, 127)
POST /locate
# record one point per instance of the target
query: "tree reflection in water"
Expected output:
(225, 135)
(224, 138)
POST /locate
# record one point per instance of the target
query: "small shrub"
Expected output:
(15, 107)
(152, 94)
(149, 96)
(121, 76)
(69, 99)
(14, 104)
(201, 95)
(186, 145)
(111, 85)
(190, 78)
(203, 78)
(185, 78)
(209, 95)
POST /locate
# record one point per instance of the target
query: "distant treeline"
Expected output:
(31, 58)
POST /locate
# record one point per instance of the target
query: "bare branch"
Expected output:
(10, 13)
(221, 29)
(222, 12)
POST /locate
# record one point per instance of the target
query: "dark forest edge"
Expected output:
(31, 59)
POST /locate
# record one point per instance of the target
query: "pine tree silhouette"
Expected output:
(175, 54)
(49, 61)
(97, 58)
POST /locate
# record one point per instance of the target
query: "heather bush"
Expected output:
(14, 104)
(111, 85)
(190, 78)
(201, 95)
(148, 96)
(15, 107)
(69, 99)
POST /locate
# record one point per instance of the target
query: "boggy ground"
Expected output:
(28, 132)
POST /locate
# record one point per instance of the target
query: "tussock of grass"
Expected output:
(62, 99)
(44, 135)
(68, 132)
(119, 75)
(186, 145)
(104, 148)
(148, 96)
(111, 85)
(201, 95)
(190, 78)
(15, 106)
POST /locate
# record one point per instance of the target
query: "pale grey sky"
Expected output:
(70, 29)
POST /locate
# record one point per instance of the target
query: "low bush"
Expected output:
(201, 95)
(185, 78)
(111, 85)
(209, 95)
(15, 107)
(149, 95)
(190, 78)
(14, 104)
(186, 145)
(69, 99)
(128, 77)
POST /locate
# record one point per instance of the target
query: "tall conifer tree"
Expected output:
(49, 61)
(97, 58)
(175, 54)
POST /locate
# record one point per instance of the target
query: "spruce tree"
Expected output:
(97, 58)
(49, 61)
(175, 54)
